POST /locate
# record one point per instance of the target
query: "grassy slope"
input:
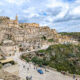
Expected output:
(75, 35)
(61, 57)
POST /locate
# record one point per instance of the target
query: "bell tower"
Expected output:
(16, 18)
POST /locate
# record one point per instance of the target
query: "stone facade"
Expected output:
(29, 25)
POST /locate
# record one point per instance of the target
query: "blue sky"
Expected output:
(63, 15)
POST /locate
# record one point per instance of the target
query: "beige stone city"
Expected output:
(19, 38)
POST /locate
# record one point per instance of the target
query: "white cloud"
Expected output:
(53, 3)
(64, 11)
(1, 3)
(28, 10)
(17, 2)
(76, 11)
(31, 12)
(77, 1)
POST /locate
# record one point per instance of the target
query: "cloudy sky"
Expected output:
(63, 15)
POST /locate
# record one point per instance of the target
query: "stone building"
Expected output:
(4, 19)
(9, 48)
(24, 25)
(9, 22)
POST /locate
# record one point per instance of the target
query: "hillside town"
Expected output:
(29, 36)
(19, 38)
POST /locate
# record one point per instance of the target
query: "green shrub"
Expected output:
(50, 40)
(39, 61)
(41, 51)
(21, 26)
(27, 59)
(0, 66)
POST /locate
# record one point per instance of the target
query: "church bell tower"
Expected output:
(16, 18)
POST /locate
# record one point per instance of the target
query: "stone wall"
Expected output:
(25, 25)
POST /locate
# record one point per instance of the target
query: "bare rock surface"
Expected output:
(7, 76)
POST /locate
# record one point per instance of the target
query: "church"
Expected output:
(4, 20)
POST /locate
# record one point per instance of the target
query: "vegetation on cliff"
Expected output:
(75, 35)
(51, 40)
(62, 57)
